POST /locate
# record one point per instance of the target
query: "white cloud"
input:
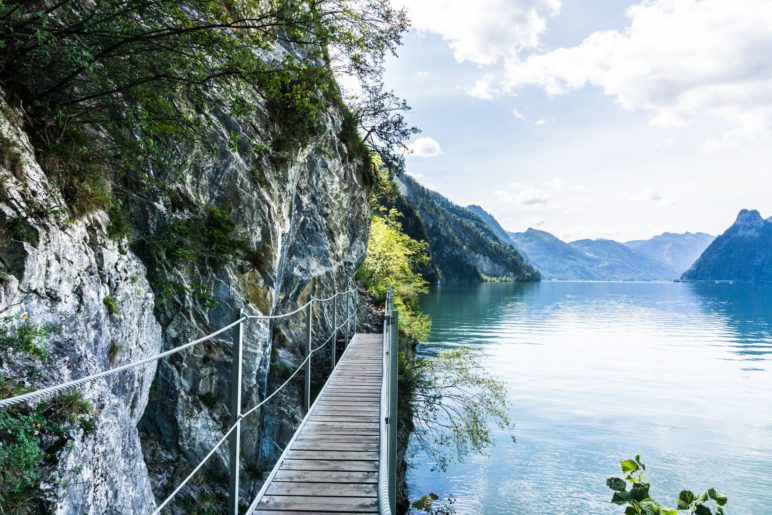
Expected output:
(524, 196)
(425, 147)
(517, 114)
(531, 196)
(484, 88)
(485, 31)
(541, 121)
(556, 184)
(678, 59)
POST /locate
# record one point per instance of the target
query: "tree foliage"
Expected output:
(638, 501)
(121, 84)
(455, 401)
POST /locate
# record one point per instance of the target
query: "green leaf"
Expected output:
(628, 466)
(720, 498)
(640, 491)
(668, 511)
(685, 497)
(616, 484)
(621, 497)
(701, 509)
(630, 510)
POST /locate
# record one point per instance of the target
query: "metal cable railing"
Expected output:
(387, 459)
(233, 433)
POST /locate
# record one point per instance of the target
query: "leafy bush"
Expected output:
(30, 437)
(27, 337)
(638, 501)
(391, 262)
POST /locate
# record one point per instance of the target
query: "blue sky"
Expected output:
(592, 119)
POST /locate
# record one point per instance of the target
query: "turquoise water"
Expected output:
(596, 372)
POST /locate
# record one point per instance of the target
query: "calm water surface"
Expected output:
(596, 372)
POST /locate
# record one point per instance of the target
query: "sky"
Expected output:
(592, 119)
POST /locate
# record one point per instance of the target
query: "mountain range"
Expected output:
(664, 257)
(468, 243)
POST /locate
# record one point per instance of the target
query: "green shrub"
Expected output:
(28, 337)
(120, 226)
(111, 303)
(30, 437)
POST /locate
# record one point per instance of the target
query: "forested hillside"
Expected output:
(462, 245)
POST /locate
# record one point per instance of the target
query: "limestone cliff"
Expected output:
(237, 229)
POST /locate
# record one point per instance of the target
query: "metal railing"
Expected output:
(233, 434)
(387, 466)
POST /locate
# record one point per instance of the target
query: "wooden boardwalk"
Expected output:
(331, 464)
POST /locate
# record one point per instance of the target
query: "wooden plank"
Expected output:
(317, 454)
(323, 489)
(337, 438)
(315, 476)
(331, 465)
(316, 504)
(335, 446)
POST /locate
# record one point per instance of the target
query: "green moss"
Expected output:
(111, 303)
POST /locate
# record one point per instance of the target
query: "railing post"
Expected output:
(348, 314)
(235, 436)
(309, 317)
(393, 369)
(334, 329)
(356, 310)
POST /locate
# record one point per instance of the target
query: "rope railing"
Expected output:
(44, 392)
(233, 433)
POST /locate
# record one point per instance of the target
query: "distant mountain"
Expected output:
(618, 262)
(555, 258)
(677, 251)
(461, 244)
(742, 253)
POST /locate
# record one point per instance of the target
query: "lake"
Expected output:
(597, 372)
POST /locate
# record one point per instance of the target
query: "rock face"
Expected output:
(462, 245)
(677, 251)
(235, 230)
(304, 227)
(742, 253)
(58, 272)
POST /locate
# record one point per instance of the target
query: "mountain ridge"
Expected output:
(741, 253)
(663, 257)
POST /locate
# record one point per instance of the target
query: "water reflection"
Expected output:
(597, 371)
